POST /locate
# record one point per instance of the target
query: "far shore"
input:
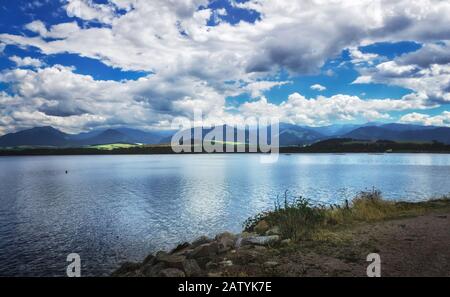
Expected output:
(299, 239)
(331, 146)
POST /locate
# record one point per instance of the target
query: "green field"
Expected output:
(113, 146)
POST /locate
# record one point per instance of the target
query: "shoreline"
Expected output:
(412, 239)
(110, 153)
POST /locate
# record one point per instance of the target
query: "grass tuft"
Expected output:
(299, 219)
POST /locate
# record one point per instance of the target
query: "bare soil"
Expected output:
(416, 246)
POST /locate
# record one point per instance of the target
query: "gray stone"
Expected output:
(270, 264)
(260, 240)
(153, 270)
(201, 240)
(171, 261)
(225, 242)
(286, 241)
(171, 272)
(127, 268)
(211, 265)
(181, 247)
(205, 250)
(191, 268)
(149, 260)
(226, 263)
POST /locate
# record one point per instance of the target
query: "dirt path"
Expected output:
(414, 247)
(418, 246)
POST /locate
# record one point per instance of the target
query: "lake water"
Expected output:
(115, 208)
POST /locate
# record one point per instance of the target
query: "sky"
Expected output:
(79, 65)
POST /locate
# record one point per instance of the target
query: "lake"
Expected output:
(110, 209)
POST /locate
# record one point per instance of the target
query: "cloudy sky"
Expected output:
(81, 64)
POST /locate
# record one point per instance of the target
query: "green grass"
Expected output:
(299, 219)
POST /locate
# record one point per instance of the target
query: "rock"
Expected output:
(201, 240)
(262, 227)
(225, 242)
(226, 263)
(226, 235)
(153, 270)
(149, 260)
(273, 231)
(205, 250)
(270, 264)
(171, 272)
(180, 247)
(260, 240)
(286, 241)
(211, 265)
(171, 261)
(244, 257)
(191, 268)
(260, 248)
(214, 274)
(126, 268)
(238, 243)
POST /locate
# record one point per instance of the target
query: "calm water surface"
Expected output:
(115, 208)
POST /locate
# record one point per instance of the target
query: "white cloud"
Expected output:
(324, 110)
(318, 87)
(427, 120)
(359, 57)
(90, 11)
(192, 63)
(257, 88)
(426, 72)
(25, 62)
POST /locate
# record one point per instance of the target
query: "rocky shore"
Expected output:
(208, 256)
(412, 245)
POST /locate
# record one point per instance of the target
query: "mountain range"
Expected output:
(289, 135)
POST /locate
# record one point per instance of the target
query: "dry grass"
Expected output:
(299, 219)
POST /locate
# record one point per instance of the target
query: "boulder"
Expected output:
(171, 272)
(127, 268)
(286, 241)
(149, 260)
(260, 240)
(226, 263)
(225, 242)
(191, 268)
(180, 247)
(270, 264)
(153, 270)
(170, 260)
(205, 250)
(262, 227)
(201, 240)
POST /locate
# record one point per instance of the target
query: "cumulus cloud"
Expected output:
(324, 110)
(26, 62)
(192, 63)
(427, 120)
(257, 88)
(358, 57)
(318, 87)
(64, 96)
(426, 71)
(90, 11)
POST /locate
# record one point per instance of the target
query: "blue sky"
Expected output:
(81, 64)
